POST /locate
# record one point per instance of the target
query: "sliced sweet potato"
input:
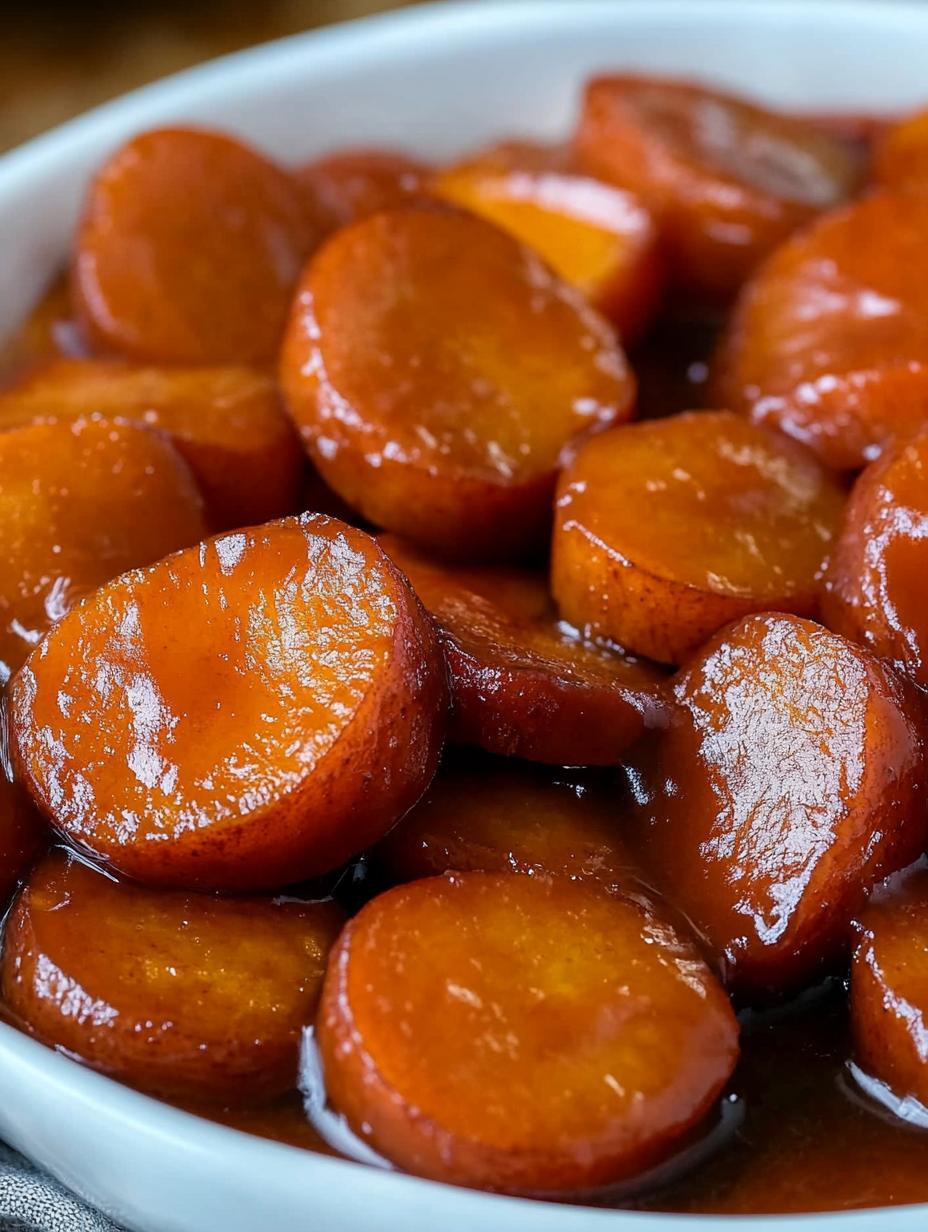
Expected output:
(484, 814)
(667, 530)
(889, 988)
(597, 237)
(437, 368)
(725, 179)
(829, 343)
(80, 503)
(580, 1036)
(900, 156)
(228, 423)
(22, 836)
(875, 582)
(181, 994)
(351, 184)
(188, 250)
(788, 782)
(242, 715)
(521, 684)
(46, 333)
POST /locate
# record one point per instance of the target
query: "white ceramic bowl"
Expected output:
(433, 80)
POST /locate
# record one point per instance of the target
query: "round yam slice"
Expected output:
(81, 503)
(829, 342)
(580, 1037)
(875, 581)
(889, 988)
(725, 179)
(522, 685)
(351, 184)
(437, 369)
(188, 250)
(228, 423)
(597, 237)
(494, 816)
(789, 781)
(242, 715)
(667, 530)
(181, 994)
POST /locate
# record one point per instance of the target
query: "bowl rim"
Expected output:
(144, 1116)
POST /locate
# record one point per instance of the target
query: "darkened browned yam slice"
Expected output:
(580, 1037)
(242, 715)
(181, 994)
(725, 179)
(790, 780)
(522, 684)
(437, 369)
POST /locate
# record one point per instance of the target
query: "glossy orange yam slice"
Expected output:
(667, 530)
(181, 994)
(900, 157)
(242, 715)
(522, 685)
(489, 815)
(80, 503)
(437, 369)
(228, 423)
(889, 988)
(580, 1036)
(22, 836)
(351, 184)
(188, 250)
(726, 180)
(829, 343)
(596, 236)
(875, 582)
(788, 782)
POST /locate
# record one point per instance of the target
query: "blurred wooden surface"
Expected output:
(58, 59)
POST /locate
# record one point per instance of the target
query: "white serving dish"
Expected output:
(434, 80)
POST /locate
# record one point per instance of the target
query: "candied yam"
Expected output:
(81, 503)
(667, 530)
(181, 994)
(889, 988)
(188, 250)
(46, 333)
(494, 816)
(22, 836)
(437, 369)
(228, 423)
(789, 780)
(900, 157)
(245, 714)
(725, 179)
(523, 685)
(596, 236)
(672, 363)
(829, 343)
(351, 184)
(875, 582)
(599, 1035)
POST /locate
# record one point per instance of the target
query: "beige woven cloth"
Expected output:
(31, 1201)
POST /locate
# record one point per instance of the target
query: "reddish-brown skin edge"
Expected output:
(255, 855)
(811, 950)
(428, 1148)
